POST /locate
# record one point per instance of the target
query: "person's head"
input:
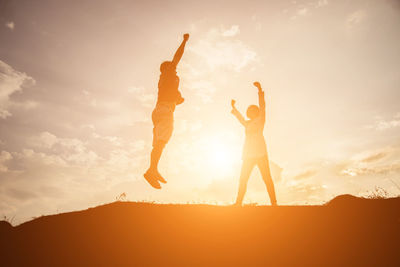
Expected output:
(252, 112)
(167, 66)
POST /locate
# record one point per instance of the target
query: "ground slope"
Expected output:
(347, 231)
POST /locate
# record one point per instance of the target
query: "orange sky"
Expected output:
(78, 82)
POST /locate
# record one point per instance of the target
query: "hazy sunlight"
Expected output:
(220, 156)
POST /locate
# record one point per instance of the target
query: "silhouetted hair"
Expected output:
(252, 111)
(165, 66)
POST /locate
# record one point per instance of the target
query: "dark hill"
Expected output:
(348, 231)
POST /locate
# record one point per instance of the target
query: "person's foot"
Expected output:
(237, 204)
(274, 204)
(152, 179)
(160, 178)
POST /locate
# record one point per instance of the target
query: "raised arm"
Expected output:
(237, 114)
(261, 99)
(181, 49)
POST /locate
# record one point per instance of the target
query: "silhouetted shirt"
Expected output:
(254, 145)
(168, 89)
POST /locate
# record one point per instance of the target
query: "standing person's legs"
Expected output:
(263, 165)
(247, 167)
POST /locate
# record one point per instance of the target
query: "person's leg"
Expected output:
(247, 167)
(155, 156)
(152, 175)
(163, 121)
(263, 165)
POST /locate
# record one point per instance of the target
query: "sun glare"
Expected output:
(220, 156)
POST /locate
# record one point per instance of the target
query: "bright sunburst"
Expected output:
(220, 155)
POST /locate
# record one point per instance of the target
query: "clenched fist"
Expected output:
(186, 36)
(258, 85)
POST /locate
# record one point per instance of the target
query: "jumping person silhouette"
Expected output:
(255, 149)
(163, 114)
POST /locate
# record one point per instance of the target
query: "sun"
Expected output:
(220, 156)
(217, 155)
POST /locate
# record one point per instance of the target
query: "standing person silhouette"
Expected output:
(163, 114)
(255, 149)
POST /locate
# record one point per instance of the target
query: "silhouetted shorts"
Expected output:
(163, 121)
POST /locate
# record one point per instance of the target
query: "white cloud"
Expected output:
(356, 18)
(302, 11)
(382, 124)
(381, 169)
(27, 105)
(32, 158)
(322, 3)
(204, 89)
(146, 99)
(218, 52)
(373, 162)
(70, 150)
(11, 81)
(46, 140)
(234, 30)
(136, 90)
(77, 152)
(305, 174)
(10, 25)
(210, 55)
(4, 157)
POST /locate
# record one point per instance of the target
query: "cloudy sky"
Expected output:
(78, 82)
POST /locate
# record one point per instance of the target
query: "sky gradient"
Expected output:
(78, 82)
